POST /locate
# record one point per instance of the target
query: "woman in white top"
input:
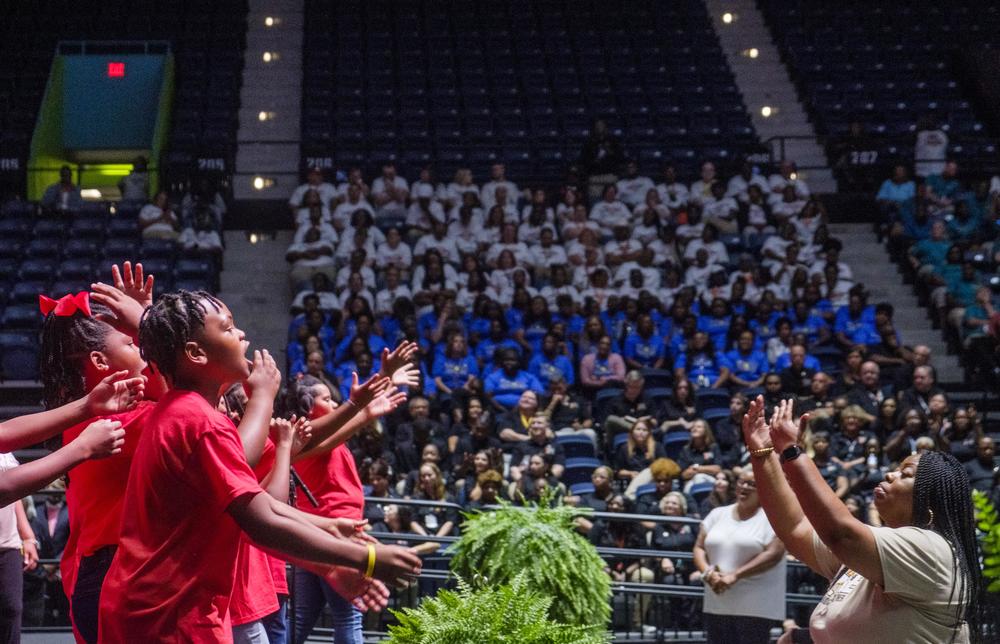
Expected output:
(916, 579)
(742, 564)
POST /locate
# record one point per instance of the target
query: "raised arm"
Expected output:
(851, 541)
(262, 386)
(776, 497)
(99, 439)
(113, 395)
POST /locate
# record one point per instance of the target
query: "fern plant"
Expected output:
(988, 523)
(541, 543)
(506, 614)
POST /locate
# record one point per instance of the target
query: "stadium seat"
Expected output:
(578, 470)
(674, 441)
(19, 355)
(576, 446)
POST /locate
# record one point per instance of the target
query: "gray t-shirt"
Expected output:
(918, 603)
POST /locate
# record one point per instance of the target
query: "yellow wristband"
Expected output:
(763, 451)
(371, 561)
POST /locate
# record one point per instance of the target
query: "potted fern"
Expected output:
(540, 543)
(989, 525)
(505, 614)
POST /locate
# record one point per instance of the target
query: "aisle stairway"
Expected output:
(871, 265)
(764, 81)
(255, 287)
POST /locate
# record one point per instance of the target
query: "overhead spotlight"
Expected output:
(265, 116)
(728, 18)
(793, 176)
(269, 56)
(270, 21)
(767, 111)
(753, 52)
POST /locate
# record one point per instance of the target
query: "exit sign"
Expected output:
(116, 70)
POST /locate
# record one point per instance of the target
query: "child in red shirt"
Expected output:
(191, 492)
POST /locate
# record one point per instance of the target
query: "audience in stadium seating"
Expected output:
(62, 196)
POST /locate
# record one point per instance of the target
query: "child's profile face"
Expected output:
(224, 344)
(323, 402)
(121, 353)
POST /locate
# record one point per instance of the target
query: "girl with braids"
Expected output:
(328, 469)
(77, 353)
(916, 579)
(191, 491)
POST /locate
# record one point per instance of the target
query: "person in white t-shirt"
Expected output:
(326, 231)
(701, 190)
(931, 149)
(454, 193)
(498, 178)
(466, 230)
(546, 253)
(345, 210)
(632, 188)
(914, 579)
(673, 193)
(609, 212)
(721, 211)
(739, 185)
(787, 175)
(438, 240)
(310, 202)
(314, 181)
(158, 220)
(391, 291)
(394, 252)
(742, 564)
(426, 178)
(788, 206)
(311, 255)
(576, 222)
(390, 192)
(709, 241)
(423, 212)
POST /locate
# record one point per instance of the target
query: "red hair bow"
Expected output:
(66, 305)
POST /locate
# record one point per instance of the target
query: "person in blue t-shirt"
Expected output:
(486, 350)
(813, 327)
(455, 369)
(534, 325)
(716, 322)
(765, 322)
(363, 329)
(644, 347)
(700, 364)
(855, 323)
(566, 313)
(549, 361)
(749, 365)
(505, 385)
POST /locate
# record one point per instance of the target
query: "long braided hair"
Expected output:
(942, 501)
(169, 324)
(299, 396)
(67, 341)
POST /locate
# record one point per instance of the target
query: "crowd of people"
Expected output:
(641, 322)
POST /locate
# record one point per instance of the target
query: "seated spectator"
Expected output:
(550, 362)
(204, 193)
(134, 186)
(505, 385)
(698, 273)
(392, 290)
(637, 452)
(62, 196)
(700, 364)
(537, 481)
(321, 291)
(850, 445)
(644, 347)
(633, 187)
(798, 371)
(390, 193)
(721, 212)
(461, 185)
(349, 208)
(568, 413)
(723, 493)
(652, 214)
(699, 459)
(701, 190)
(439, 241)
(820, 394)
(456, 371)
(680, 410)
(311, 256)
(855, 323)
(202, 234)
(673, 193)
(473, 431)
(831, 471)
(788, 206)
(314, 183)
(903, 442)
(663, 473)
(311, 201)
(748, 176)
(923, 386)
(868, 393)
(470, 470)
(433, 520)
(982, 470)
(540, 441)
(498, 179)
(610, 533)
(749, 365)
(943, 188)
(417, 432)
(602, 480)
(787, 175)
(380, 476)
(466, 229)
(158, 220)
(601, 368)
(490, 486)
(609, 212)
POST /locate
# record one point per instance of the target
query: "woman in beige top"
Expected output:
(915, 580)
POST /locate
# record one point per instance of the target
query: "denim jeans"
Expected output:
(11, 590)
(87, 591)
(250, 633)
(276, 624)
(311, 593)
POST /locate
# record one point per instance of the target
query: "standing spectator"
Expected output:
(600, 158)
(673, 193)
(18, 553)
(62, 196)
(135, 185)
(51, 529)
(742, 564)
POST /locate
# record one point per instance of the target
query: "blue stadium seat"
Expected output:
(674, 441)
(647, 488)
(578, 489)
(575, 446)
(19, 355)
(700, 491)
(578, 470)
(22, 316)
(38, 269)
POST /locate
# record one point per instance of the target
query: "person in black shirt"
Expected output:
(568, 412)
(412, 436)
(903, 441)
(609, 533)
(819, 394)
(727, 430)
(539, 442)
(982, 470)
(832, 472)
(796, 378)
(637, 452)
(379, 476)
(490, 486)
(632, 404)
(869, 392)
(848, 446)
(664, 472)
(961, 435)
(680, 410)
(919, 394)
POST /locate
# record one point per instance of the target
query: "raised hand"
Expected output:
(785, 432)
(756, 432)
(265, 377)
(362, 394)
(101, 438)
(115, 394)
(406, 376)
(398, 357)
(302, 429)
(125, 311)
(386, 402)
(130, 282)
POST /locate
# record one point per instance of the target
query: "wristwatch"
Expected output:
(790, 453)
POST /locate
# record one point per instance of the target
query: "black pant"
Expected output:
(737, 629)
(11, 592)
(87, 592)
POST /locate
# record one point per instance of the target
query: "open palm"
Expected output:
(756, 432)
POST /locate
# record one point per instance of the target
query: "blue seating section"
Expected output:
(467, 84)
(66, 255)
(886, 65)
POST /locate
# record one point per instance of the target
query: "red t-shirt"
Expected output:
(173, 574)
(333, 479)
(96, 492)
(254, 593)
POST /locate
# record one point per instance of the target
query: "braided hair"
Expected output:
(942, 501)
(300, 394)
(67, 340)
(169, 324)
